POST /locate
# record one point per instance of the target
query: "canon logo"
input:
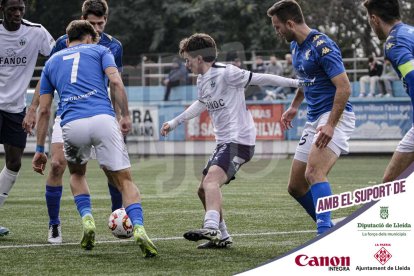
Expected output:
(304, 260)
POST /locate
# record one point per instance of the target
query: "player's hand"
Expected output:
(325, 134)
(287, 118)
(165, 129)
(39, 162)
(29, 121)
(125, 125)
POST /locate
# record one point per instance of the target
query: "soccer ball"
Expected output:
(120, 224)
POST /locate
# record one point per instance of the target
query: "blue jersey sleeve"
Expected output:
(118, 57)
(107, 59)
(46, 86)
(61, 43)
(329, 56)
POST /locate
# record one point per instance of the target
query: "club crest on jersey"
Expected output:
(22, 41)
(213, 83)
(325, 51)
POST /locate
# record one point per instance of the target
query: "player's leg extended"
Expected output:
(299, 188)
(399, 162)
(211, 184)
(53, 192)
(319, 164)
(226, 239)
(80, 191)
(132, 202)
(9, 175)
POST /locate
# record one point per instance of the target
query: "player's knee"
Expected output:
(200, 193)
(57, 168)
(297, 191)
(14, 165)
(388, 177)
(312, 175)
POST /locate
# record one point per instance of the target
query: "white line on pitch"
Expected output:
(154, 239)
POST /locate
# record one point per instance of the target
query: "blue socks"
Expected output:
(83, 203)
(307, 203)
(53, 195)
(134, 212)
(323, 220)
(116, 197)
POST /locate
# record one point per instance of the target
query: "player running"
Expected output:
(79, 74)
(330, 119)
(221, 93)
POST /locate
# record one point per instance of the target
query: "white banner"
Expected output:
(375, 240)
(144, 123)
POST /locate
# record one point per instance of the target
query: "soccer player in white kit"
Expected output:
(20, 44)
(221, 92)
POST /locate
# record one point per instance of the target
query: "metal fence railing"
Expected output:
(150, 72)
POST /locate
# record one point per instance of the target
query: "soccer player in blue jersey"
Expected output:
(96, 12)
(385, 19)
(79, 74)
(330, 119)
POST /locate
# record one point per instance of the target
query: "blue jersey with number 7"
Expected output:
(77, 74)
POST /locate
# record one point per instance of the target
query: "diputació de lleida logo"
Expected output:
(384, 212)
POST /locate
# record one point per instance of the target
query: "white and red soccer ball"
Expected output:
(120, 224)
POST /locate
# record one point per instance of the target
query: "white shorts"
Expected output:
(407, 142)
(100, 131)
(339, 143)
(57, 131)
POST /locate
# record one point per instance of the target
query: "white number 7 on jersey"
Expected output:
(75, 65)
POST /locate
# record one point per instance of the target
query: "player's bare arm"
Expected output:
(29, 121)
(343, 92)
(120, 98)
(40, 159)
(112, 95)
(290, 113)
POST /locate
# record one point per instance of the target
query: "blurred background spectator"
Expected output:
(374, 72)
(177, 76)
(385, 81)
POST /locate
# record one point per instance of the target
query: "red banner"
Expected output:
(266, 119)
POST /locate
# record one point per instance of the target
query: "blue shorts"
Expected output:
(230, 157)
(11, 130)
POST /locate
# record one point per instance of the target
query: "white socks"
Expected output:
(211, 219)
(7, 179)
(223, 230)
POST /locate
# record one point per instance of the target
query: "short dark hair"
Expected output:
(387, 10)
(78, 29)
(96, 7)
(199, 44)
(4, 2)
(287, 10)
